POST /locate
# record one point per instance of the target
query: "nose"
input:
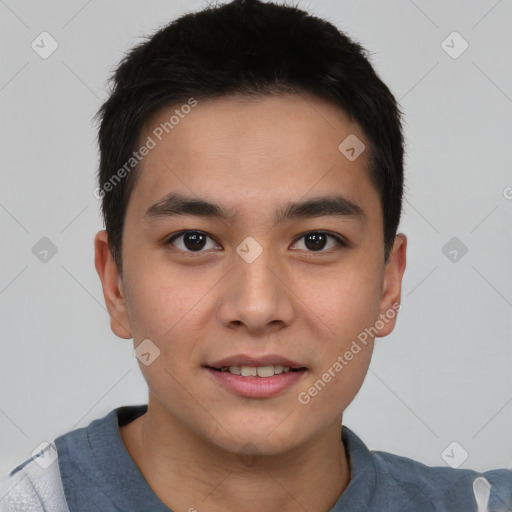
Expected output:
(255, 296)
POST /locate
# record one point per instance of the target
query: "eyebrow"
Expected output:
(178, 204)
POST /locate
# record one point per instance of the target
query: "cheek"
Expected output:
(160, 302)
(170, 309)
(332, 391)
(345, 303)
(164, 307)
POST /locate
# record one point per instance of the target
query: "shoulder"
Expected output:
(445, 487)
(35, 485)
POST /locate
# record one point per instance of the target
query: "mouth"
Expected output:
(255, 375)
(257, 371)
(251, 378)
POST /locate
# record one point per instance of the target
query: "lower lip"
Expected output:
(257, 387)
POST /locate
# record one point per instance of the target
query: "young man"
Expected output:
(251, 183)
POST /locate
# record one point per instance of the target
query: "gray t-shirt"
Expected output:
(89, 469)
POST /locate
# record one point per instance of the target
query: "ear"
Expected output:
(392, 286)
(112, 284)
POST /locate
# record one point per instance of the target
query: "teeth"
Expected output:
(259, 371)
(265, 371)
(248, 371)
(233, 369)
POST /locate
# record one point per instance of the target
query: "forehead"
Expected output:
(252, 152)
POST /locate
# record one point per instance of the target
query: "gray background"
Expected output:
(443, 375)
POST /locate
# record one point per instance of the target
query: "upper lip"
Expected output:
(248, 360)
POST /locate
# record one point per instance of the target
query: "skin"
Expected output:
(253, 156)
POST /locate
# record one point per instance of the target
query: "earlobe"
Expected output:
(113, 290)
(392, 287)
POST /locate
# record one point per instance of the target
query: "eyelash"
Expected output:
(342, 243)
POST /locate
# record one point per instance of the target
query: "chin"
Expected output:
(262, 436)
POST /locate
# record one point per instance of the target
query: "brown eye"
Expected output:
(191, 241)
(317, 241)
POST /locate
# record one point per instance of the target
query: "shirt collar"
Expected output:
(112, 476)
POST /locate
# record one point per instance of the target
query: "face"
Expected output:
(285, 267)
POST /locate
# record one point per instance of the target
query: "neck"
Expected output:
(190, 473)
